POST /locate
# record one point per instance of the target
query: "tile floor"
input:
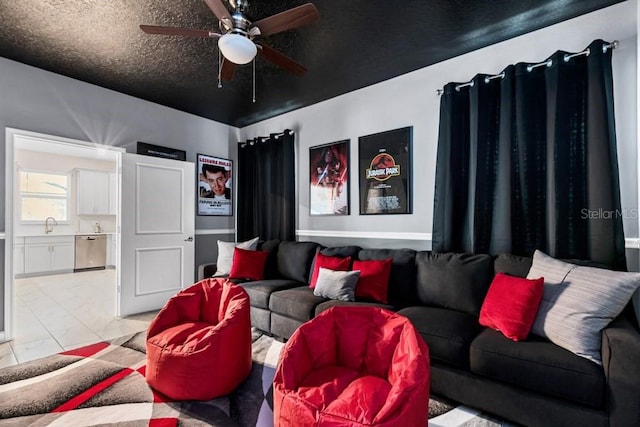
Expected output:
(64, 311)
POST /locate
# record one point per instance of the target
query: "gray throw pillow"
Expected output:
(578, 302)
(225, 254)
(339, 285)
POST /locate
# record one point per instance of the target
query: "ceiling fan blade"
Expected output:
(228, 69)
(280, 59)
(218, 9)
(175, 31)
(287, 20)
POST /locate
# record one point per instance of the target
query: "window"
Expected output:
(44, 194)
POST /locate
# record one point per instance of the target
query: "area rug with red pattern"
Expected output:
(103, 384)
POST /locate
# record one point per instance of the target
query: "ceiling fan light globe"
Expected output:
(237, 48)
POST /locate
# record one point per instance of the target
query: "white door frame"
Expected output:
(10, 135)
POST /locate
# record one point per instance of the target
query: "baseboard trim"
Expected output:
(216, 231)
(365, 234)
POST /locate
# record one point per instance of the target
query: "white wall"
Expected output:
(411, 100)
(40, 101)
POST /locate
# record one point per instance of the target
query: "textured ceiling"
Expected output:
(354, 44)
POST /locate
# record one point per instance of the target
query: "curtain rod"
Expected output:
(548, 63)
(262, 138)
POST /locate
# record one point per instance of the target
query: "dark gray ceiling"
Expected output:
(354, 44)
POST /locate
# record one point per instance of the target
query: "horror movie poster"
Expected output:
(329, 179)
(385, 172)
(214, 186)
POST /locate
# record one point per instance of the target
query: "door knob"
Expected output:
(189, 239)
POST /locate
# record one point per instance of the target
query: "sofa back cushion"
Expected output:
(341, 251)
(519, 266)
(295, 258)
(271, 266)
(513, 265)
(402, 281)
(455, 281)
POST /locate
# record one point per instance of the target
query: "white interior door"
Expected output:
(157, 228)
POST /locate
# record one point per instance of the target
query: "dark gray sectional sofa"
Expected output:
(532, 382)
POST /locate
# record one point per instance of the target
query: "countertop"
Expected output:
(63, 234)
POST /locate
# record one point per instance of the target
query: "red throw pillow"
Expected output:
(374, 279)
(511, 305)
(331, 262)
(248, 264)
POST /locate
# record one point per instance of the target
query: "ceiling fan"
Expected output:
(238, 39)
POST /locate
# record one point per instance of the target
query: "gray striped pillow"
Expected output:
(340, 285)
(579, 302)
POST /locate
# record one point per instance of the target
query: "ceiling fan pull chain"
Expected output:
(254, 80)
(219, 70)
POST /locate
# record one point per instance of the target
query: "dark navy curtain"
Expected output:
(266, 188)
(529, 161)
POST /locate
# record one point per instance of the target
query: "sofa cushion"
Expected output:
(373, 283)
(339, 285)
(578, 302)
(456, 281)
(513, 265)
(335, 303)
(538, 365)
(511, 305)
(402, 288)
(261, 290)
(448, 333)
(295, 258)
(297, 303)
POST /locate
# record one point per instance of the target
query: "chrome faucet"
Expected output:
(48, 230)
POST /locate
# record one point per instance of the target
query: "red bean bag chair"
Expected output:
(199, 344)
(353, 366)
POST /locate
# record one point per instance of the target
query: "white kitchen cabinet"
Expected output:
(93, 192)
(62, 256)
(48, 254)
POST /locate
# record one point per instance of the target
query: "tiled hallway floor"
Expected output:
(65, 311)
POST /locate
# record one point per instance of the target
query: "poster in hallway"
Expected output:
(214, 186)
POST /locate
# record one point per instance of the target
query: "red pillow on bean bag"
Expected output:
(374, 279)
(248, 264)
(511, 305)
(331, 262)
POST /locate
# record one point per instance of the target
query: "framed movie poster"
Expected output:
(214, 186)
(385, 172)
(329, 179)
